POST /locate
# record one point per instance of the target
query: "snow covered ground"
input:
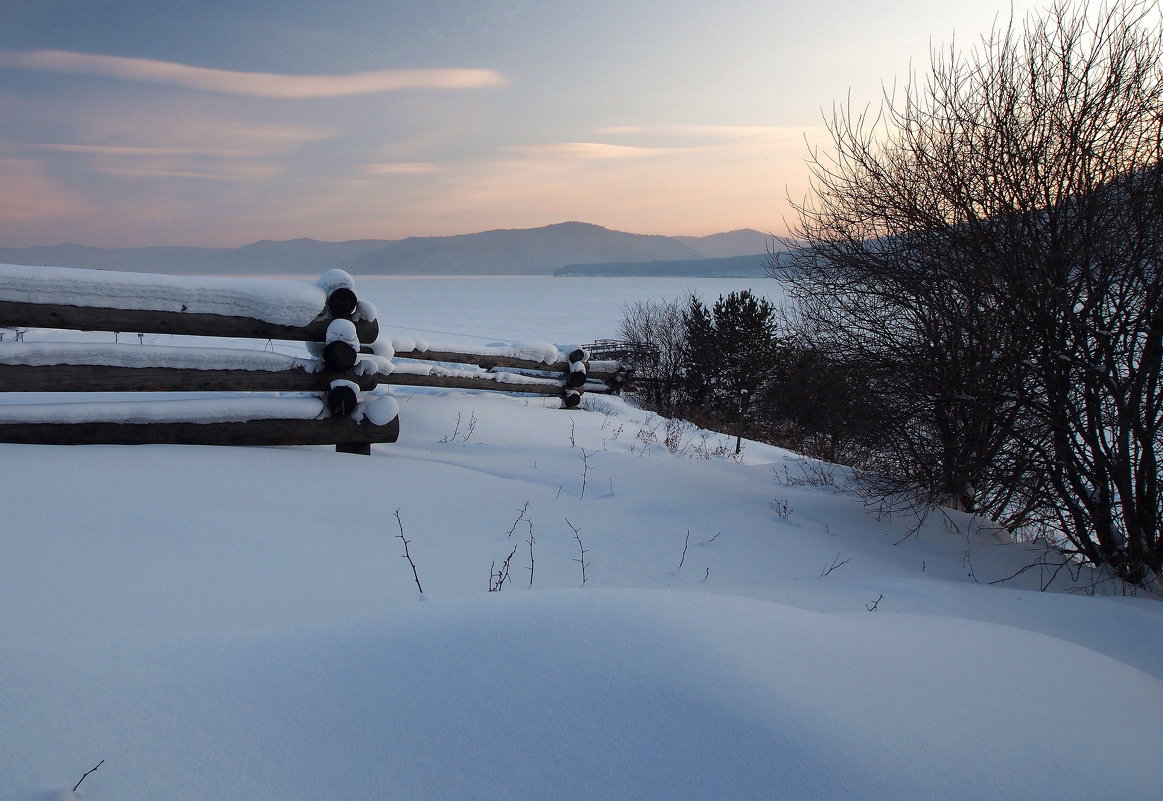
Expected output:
(672, 622)
(240, 624)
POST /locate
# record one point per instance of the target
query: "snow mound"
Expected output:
(583, 694)
(239, 623)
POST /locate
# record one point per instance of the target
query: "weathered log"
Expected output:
(548, 387)
(358, 448)
(486, 361)
(85, 318)
(341, 400)
(606, 369)
(603, 372)
(338, 431)
(100, 378)
(342, 302)
(595, 369)
(339, 355)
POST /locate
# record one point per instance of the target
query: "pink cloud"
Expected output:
(593, 150)
(31, 202)
(400, 168)
(255, 84)
(709, 131)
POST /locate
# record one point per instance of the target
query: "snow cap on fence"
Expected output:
(383, 347)
(343, 397)
(365, 310)
(380, 410)
(335, 279)
(373, 364)
(342, 331)
(291, 303)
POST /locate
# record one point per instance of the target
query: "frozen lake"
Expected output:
(528, 308)
(475, 310)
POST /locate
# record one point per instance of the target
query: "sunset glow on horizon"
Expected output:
(167, 123)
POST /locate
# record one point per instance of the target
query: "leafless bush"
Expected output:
(658, 369)
(986, 250)
(499, 575)
(470, 428)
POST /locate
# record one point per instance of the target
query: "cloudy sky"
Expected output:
(143, 122)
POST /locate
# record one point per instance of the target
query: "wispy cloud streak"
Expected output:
(253, 84)
(400, 168)
(125, 150)
(593, 150)
(716, 132)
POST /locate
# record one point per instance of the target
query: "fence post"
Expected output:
(744, 400)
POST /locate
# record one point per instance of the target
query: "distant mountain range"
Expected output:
(530, 251)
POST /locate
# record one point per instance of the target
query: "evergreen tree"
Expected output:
(731, 348)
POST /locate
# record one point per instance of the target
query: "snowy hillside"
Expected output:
(240, 624)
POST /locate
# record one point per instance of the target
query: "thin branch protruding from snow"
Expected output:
(408, 555)
(90, 770)
(835, 564)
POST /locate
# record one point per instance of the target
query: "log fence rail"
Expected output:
(341, 401)
(326, 315)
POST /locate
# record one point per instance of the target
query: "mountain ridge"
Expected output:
(503, 251)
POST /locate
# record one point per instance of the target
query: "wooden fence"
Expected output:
(569, 376)
(335, 392)
(327, 315)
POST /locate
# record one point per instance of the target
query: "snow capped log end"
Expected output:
(382, 410)
(339, 355)
(342, 330)
(335, 279)
(342, 398)
(341, 350)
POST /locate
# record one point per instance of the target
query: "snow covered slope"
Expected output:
(240, 624)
